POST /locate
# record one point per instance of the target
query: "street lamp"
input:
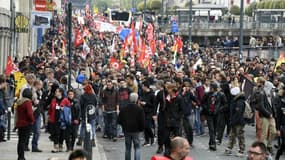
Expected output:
(241, 29)
(190, 25)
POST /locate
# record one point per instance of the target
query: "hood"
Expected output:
(21, 101)
(241, 95)
(268, 86)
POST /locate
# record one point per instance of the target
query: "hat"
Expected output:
(235, 91)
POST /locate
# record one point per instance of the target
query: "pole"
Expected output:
(88, 138)
(241, 29)
(69, 22)
(144, 9)
(12, 28)
(190, 25)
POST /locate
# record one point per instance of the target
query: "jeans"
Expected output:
(23, 133)
(188, 128)
(110, 120)
(221, 125)
(74, 130)
(36, 132)
(93, 129)
(198, 125)
(148, 130)
(135, 139)
(161, 128)
(212, 125)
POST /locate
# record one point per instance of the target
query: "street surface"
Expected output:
(108, 150)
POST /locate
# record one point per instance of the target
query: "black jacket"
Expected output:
(88, 105)
(220, 99)
(237, 109)
(188, 98)
(75, 110)
(131, 118)
(149, 107)
(280, 120)
(260, 102)
(174, 111)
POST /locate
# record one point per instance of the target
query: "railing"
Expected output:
(222, 25)
(267, 52)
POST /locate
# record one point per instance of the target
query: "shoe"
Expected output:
(270, 150)
(212, 148)
(98, 129)
(146, 144)
(114, 139)
(36, 150)
(56, 149)
(228, 152)
(105, 136)
(60, 148)
(240, 154)
(159, 150)
(27, 149)
(152, 141)
(93, 143)
(79, 142)
(3, 140)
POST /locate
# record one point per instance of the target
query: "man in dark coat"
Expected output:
(237, 121)
(132, 118)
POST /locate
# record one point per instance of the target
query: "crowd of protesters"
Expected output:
(179, 95)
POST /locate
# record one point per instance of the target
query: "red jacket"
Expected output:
(25, 116)
(52, 108)
(165, 158)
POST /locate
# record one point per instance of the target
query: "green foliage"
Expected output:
(102, 5)
(235, 10)
(250, 9)
(140, 6)
(154, 4)
(269, 4)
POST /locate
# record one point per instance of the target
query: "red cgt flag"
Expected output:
(114, 63)
(10, 66)
(78, 39)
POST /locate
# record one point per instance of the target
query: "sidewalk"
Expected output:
(8, 150)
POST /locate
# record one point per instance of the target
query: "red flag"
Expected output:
(10, 66)
(78, 39)
(152, 46)
(149, 31)
(142, 55)
(179, 44)
(134, 41)
(114, 63)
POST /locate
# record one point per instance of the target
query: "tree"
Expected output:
(235, 10)
(250, 9)
(101, 5)
(140, 6)
(154, 4)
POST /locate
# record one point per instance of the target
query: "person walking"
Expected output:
(174, 113)
(25, 119)
(132, 117)
(110, 109)
(75, 117)
(213, 101)
(237, 122)
(281, 123)
(88, 103)
(147, 102)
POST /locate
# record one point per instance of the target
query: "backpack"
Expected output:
(65, 117)
(248, 114)
(91, 110)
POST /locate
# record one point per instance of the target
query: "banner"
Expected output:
(20, 81)
(41, 19)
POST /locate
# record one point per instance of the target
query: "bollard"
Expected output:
(87, 141)
(9, 125)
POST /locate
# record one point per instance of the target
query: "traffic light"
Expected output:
(120, 16)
